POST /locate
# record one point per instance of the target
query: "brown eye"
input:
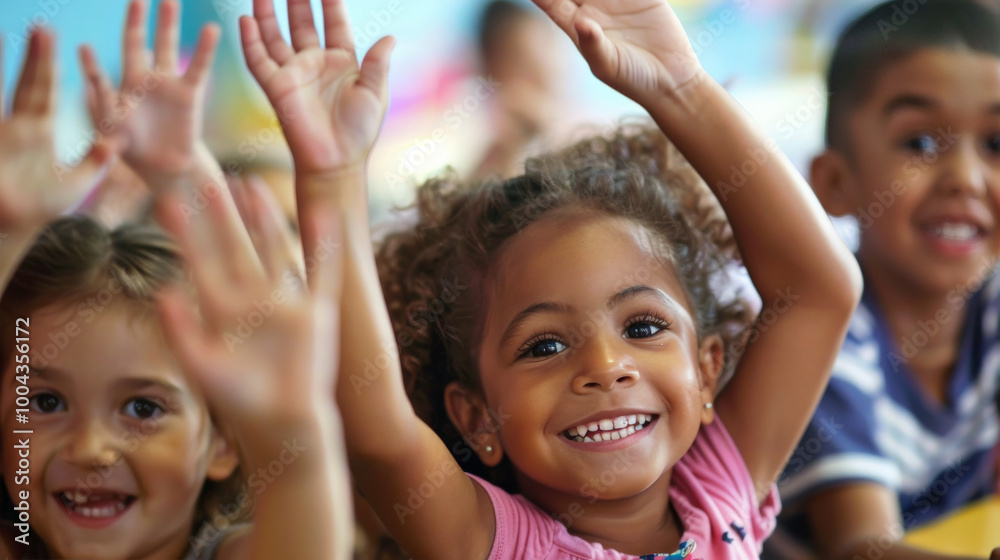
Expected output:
(47, 403)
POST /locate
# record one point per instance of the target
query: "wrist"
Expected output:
(343, 188)
(310, 428)
(687, 100)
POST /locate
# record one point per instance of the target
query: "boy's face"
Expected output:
(923, 176)
(121, 445)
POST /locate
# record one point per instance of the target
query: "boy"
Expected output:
(906, 429)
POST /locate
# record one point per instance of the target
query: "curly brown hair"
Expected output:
(75, 258)
(432, 274)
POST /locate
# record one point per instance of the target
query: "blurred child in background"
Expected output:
(907, 428)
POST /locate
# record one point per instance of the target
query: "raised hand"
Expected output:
(637, 47)
(34, 188)
(157, 112)
(330, 107)
(265, 350)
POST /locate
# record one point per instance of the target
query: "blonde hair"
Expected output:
(76, 258)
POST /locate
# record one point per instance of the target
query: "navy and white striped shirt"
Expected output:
(876, 424)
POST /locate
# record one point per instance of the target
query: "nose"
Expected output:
(603, 365)
(966, 172)
(91, 445)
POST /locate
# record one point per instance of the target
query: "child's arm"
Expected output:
(848, 519)
(798, 264)
(34, 187)
(157, 113)
(273, 389)
(331, 109)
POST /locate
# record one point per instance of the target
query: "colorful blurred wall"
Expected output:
(770, 53)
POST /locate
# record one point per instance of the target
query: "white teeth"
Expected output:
(608, 429)
(632, 418)
(607, 425)
(638, 426)
(621, 422)
(631, 429)
(622, 432)
(615, 435)
(593, 427)
(582, 430)
(573, 432)
(955, 231)
(588, 439)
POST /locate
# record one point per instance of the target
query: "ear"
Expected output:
(831, 178)
(222, 456)
(710, 361)
(470, 415)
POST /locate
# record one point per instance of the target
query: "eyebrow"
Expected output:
(139, 383)
(551, 307)
(133, 383)
(908, 101)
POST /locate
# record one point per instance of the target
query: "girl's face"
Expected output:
(122, 445)
(589, 329)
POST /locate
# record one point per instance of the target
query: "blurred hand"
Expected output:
(157, 112)
(637, 47)
(34, 187)
(329, 106)
(264, 352)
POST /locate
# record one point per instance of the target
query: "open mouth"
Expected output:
(956, 232)
(609, 429)
(96, 506)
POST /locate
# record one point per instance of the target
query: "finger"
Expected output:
(260, 63)
(238, 188)
(202, 256)
(35, 92)
(185, 335)
(134, 55)
(270, 31)
(302, 25)
(98, 85)
(236, 255)
(336, 25)
(166, 43)
(596, 48)
(375, 67)
(326, 275)
(204, 55)
(280, 249)
(562, 12)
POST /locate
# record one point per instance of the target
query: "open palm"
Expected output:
(34, 187)
(637, 47)
(329, 106)
(157, 112)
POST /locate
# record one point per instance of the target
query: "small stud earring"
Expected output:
(489, 449)
(708, 405)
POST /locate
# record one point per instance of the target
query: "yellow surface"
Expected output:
(974, 530)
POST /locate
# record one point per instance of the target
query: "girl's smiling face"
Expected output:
(122, 445)
(587, 326)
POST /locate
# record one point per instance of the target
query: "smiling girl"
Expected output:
(564, 321)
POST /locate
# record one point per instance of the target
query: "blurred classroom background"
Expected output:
(771, 55)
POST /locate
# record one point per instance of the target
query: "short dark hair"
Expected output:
(890, 32)
(497, 19)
